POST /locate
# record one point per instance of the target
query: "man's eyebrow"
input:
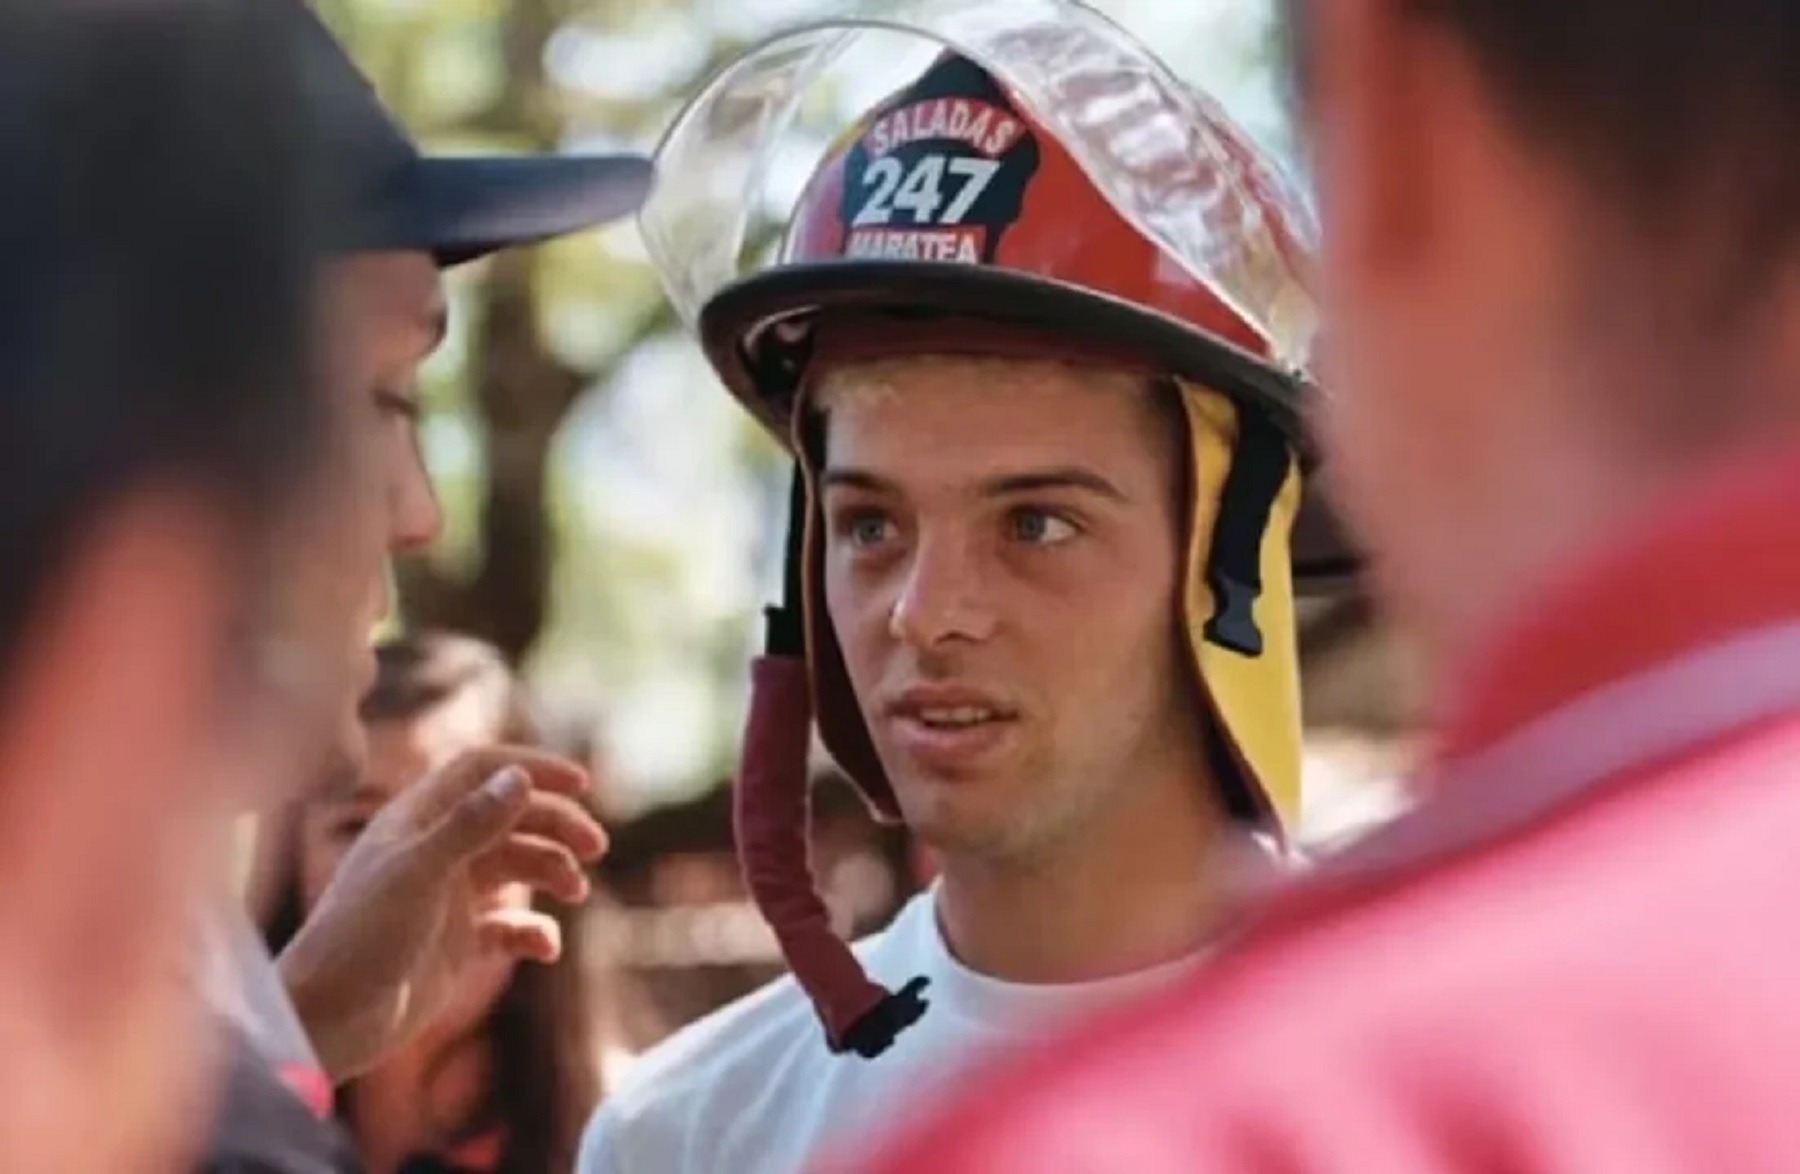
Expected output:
(849, 477)
(1038, 480)
(1004, 485)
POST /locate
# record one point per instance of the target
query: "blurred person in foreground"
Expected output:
(1562, 278)
(1040, 569)
(502, 1078)
(410, 906)
(159, 427)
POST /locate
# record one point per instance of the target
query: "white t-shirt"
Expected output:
(752, 1088)
(242, 984)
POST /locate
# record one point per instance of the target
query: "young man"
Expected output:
(157, 428)
(408, 910)
(1561, 248)
(1041, 557)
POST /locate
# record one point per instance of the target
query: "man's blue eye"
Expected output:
(869, 530)
(1040, 527)
(863, 528)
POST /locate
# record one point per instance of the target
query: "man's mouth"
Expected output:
(950, 727)
(950, 705)
(954, 717)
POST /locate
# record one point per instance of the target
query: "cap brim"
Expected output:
(461, 208)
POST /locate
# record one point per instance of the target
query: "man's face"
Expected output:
(1002, 572)
(384, 315)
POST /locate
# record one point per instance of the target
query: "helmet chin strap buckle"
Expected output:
(1233, 622)
(875, 1032)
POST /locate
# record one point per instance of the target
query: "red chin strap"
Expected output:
(773, 813)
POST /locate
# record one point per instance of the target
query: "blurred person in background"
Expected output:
(502, 1078)
(159, 428)
(1040, 570)
(411, 903)
(1562, 278)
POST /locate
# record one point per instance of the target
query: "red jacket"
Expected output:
(1580, 953)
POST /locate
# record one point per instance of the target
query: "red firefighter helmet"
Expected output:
(1044, 188)
(952, 198)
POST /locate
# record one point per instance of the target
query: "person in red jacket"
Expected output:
(1563, 327)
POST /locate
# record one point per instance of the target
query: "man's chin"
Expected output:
(957, 823)
(350, 747)
(338, 761)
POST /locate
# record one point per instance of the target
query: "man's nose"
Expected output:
(414, 517)
(943, 595)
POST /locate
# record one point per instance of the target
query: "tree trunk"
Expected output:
(522, 395)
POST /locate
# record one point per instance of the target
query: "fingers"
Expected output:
(482, 795)
(522, 933)
(478, 820)
(547, 772)
(541, 864)
(565, 820)
(537, 840)
(469, 771)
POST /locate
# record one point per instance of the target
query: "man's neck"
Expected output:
(1104, 905)
(1594, 481)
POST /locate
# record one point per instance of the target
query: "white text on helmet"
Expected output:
(984, 127)
(961, 245)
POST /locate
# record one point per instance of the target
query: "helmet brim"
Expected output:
(739, 318)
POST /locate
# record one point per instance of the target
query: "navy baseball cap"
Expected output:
(457, 208)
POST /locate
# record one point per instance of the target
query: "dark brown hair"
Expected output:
(542, 1083)
(1681, 113)
(417, 674)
